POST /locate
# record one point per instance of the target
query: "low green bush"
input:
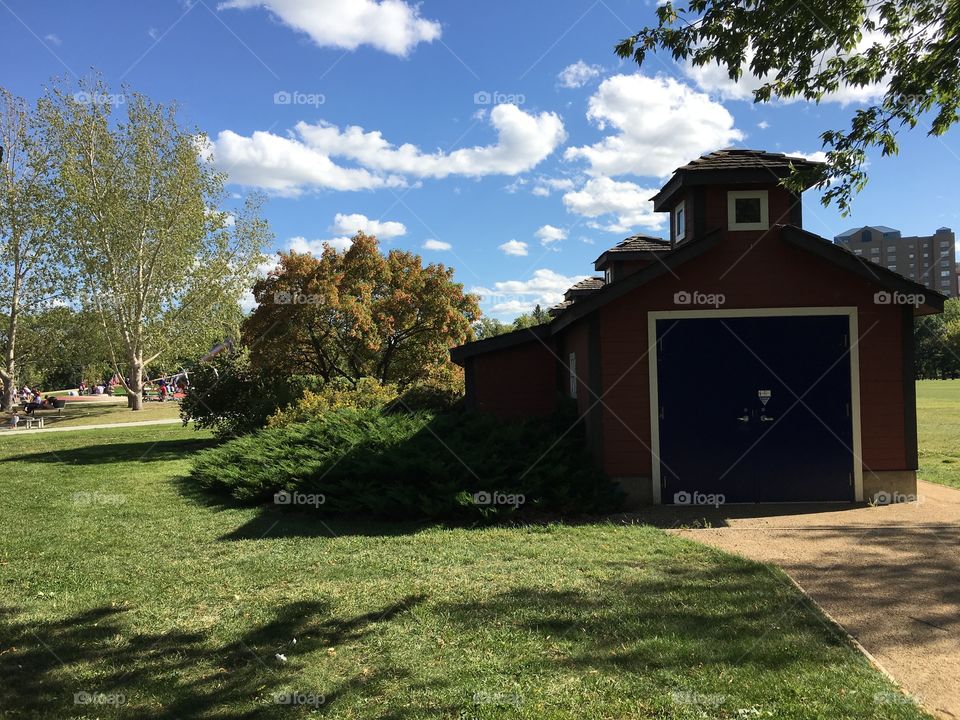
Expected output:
(453, 465)
(336, 394)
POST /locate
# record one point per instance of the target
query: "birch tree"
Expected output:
(31, 269)
(153, 249)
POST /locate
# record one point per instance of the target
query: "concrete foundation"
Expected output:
(889, 486)
(638, 492)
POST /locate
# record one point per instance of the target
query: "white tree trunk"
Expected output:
(135, 383)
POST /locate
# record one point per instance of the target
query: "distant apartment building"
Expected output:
(930, 259)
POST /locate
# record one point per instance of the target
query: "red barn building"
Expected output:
(743, 357)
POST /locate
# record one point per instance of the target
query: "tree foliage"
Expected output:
(153, 250)
(357, 314)
(937, 343)
(811, 48)
(31, 259)
(491, 327)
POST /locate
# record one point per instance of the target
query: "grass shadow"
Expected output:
(146, 451)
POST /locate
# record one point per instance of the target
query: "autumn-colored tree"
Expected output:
(358, 313)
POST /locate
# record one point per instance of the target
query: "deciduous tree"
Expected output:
(357, 314)
(31, 258)
(149, 240)
(807, 49)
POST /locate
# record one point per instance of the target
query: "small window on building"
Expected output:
(573, 375)
(944, 273)
(607, 276)
(747, 210)
(679, 222)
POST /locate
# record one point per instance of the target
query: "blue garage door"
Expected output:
(755, 409)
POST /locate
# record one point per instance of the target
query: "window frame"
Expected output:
(734, 195)
(679, 215)
(572, 366)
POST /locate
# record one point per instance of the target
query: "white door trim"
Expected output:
(854, 335)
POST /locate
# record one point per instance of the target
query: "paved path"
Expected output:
(890, 575)
(101, 426)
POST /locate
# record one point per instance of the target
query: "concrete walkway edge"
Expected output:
(101, 426)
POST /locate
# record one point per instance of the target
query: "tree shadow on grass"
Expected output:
(147, 451)
(720, 625)
(97, 664)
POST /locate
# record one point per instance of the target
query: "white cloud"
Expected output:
(763, 124)
(661, 124)
(523, 140)
(287, 166)
(818, 156)
(578, 74)
(715, 79)
(393, 26)
(511, 297)
(304, 159)
(436, 245)
(351, 224)
(301, 244)
(627, 203)
(53, 39)
(513, 247)
(541, 186)
(549, 234)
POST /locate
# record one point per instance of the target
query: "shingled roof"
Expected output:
(641, 243)
(634, 247)
(738, 158)
(730, 166)
(575, 292)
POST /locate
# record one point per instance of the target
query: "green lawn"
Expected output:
(118, 583)
(938, 431)
(95, 413)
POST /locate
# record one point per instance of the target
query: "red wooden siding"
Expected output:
(519, 381)
(752, 270)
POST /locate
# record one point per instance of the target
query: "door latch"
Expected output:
(744, 418)
(766, 418)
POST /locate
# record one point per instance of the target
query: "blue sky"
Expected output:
(505, 136)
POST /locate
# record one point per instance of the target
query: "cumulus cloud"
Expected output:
(301, 244)
(351, 224)
(287, 166)
(436, 245)
(818, 156)
(523, 141)
(660, 125)
(715, 79)
(622, 206)
(394, 26)
(513, 247)
(304, 159)
(511, 297)
(549, 234)
(578, 74)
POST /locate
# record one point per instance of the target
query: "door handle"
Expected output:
(744, 418)
(766, 418)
